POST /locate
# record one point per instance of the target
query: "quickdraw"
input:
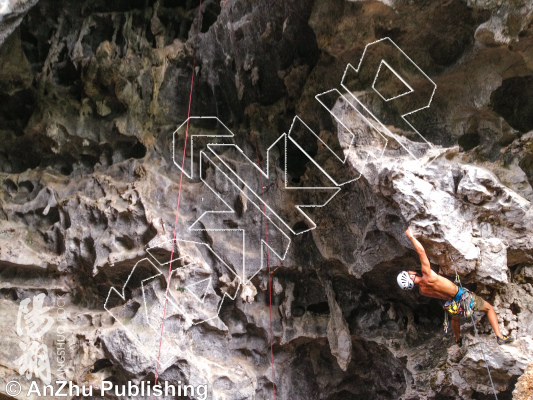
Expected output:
(446, 323)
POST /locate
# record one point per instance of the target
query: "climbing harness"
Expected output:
(467, 312)
(463, 305)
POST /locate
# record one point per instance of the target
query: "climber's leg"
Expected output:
(493, 319)
(456, 327)
(482, 305)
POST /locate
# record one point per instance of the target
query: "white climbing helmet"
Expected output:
(405, 281)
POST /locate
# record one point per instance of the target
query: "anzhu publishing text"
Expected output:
(143, 388)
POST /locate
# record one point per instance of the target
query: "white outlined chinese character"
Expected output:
(34, 360)
(36, 323)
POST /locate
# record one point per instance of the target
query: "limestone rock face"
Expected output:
(264, 238)
(524, 386)
(338, 332)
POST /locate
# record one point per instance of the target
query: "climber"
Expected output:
(434, 285)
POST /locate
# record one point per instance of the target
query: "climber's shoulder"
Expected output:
(428, 271)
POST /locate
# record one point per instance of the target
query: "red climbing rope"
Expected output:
(177, 213)
(179, 197)
(264, 211)
(269, 276)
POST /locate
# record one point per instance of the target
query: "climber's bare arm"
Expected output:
(426, 268)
